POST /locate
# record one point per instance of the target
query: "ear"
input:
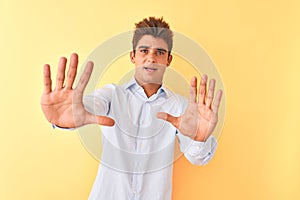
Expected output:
(132, 57)
(170, 58)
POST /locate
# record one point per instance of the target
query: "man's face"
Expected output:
(151, 59)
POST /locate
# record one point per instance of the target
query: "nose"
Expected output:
(150, 60)
(151, 57)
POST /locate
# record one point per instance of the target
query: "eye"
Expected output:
(161, 53)
(143, 50)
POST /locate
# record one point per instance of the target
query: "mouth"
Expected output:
(150, 69)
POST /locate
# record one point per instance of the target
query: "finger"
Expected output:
(60, 77)
(47, 79)
(105, 121)
(101, 120)
(167, 117)
(193, 89)
(202, 89)
(210, 94)
(85, 77)
(216, 104)
(71, 75)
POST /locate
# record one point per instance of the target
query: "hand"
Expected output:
(200, 117)
(63, 106)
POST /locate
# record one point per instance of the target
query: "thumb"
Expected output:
(101, 120)
(105, 121)
(170, 118)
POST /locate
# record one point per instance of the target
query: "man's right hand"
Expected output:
(63, 106)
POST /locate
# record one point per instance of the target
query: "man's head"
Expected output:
(156, 27)
(152, 44)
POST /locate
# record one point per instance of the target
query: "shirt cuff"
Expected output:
(54, 126)
(200, 153)
(202, 149)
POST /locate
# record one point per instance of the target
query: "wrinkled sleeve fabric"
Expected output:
(198, 153)
(98, 102)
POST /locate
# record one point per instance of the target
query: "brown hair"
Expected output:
(156, 27)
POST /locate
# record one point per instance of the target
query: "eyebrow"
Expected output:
(147, 47)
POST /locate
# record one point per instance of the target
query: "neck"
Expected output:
(150, 88)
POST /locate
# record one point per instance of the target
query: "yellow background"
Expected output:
(254, 44)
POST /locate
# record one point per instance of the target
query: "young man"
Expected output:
(140, 118)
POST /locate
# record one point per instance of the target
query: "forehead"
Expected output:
(152, 42)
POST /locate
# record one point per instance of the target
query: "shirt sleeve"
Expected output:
(62, 128)
(198, 153)
(98, 102)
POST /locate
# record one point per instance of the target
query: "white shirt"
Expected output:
(138, 151)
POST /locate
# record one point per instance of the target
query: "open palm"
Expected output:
(64, 106)
(201, 115)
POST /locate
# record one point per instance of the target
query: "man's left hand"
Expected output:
(201, 115)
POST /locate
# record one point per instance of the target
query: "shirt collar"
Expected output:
(132, 83)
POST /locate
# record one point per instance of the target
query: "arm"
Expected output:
(197, 123)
